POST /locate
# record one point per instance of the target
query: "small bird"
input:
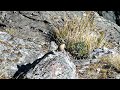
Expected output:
(61, 47)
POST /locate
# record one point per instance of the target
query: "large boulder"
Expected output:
(58, 66)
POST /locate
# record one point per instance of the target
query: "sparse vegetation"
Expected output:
(114, 60)
(80, 35)
(11, 31)
(99, 70)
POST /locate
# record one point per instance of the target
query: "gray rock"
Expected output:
(117, 76)
(53, 46)
(109, 15)
(113, 16)
(112, 30)
(2, 47)
(15, 52)
(4, 36)
(23, 52)
(99, 52)
(58, 66)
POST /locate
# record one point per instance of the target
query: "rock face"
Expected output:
(15, 51)
(24, 37)
(113, 16)
(109, 15)
(112, 30)
(58, 66)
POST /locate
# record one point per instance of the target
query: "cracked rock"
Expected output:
(57, 66)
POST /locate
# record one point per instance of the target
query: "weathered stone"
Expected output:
(58, 66)
(109, 15)
(4, 36)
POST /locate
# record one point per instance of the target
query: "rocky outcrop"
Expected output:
(53, 65)
(17, 52)
(25, 38)
(113, 16)
(109, 15)
(112, 30)
(58, 66)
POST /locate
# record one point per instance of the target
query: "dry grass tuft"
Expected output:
(79, 34)
(114, 60)
(99, 70)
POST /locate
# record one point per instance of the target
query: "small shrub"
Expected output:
(78, 49)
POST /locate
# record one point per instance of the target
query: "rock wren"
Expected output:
(61, 47)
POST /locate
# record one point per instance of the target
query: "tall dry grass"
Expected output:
(79, 34)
